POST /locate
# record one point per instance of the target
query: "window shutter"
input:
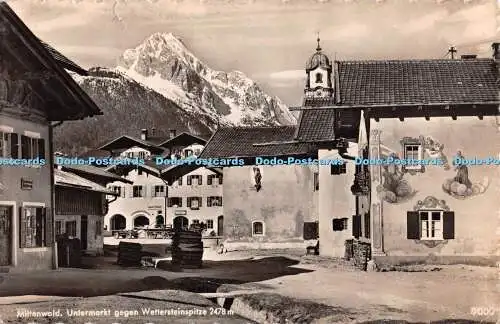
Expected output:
(25, 147)
(200, 180)
(209, 179)
(153, 191)
(22, 228)
(49, 229)
(180, 181)
(41, 148)
(412, 225)
(131, 193)
(448, 225)
(189, 180)
(209, 202)
(220, 178)
(188, 202)
(14, 146)
(356, 226)
(200, 200)
(123, 192)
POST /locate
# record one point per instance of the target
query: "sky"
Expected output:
(269, 40)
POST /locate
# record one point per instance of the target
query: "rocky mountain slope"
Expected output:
(161, 84)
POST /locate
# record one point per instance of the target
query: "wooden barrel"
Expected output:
(187, 249)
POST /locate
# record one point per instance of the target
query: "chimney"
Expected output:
(172, 133)
(153, 131)
(468, 56)
(496, 50)
(144, 134)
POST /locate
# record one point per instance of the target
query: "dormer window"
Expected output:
(319, 78)
(188, 153)
(142, 155)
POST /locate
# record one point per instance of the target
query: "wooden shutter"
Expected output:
(200, 180)
(448, 225)
(153, 190)
(220, 178)
(25, 147)
(189, 180)
(22, 228)
(41, 148)
(131, 193)
(412, 225)
(123, 191)
(180, 181)
(14, 146)
(209, 179)
(49, 226)
(188, 202)
(200, 200)
(209, 202)
(356, 226)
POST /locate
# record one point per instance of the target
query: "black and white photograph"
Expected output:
(249, 161)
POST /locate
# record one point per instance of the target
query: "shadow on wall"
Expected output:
(460, 186)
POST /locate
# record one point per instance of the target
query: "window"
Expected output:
(339, 224)
(179, 181)
(214, 201)
(188, 153)
(210, 224)
(59, 227)
(194, 202)
(33, 227)
(193, 178)
(31, 148)
(430, 225)
(142, 155)
(130, 155)
(316, 181)
(257, 228)
(413, 152)
(336, 169)
(8, 145)
(98, 228)
(319, 78)
(174, 201)
(158, 191)
(117, 190)
(212, 177)
(71, 228)
(137, 191)
(195, 221)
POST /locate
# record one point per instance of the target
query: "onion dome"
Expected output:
(318, 59)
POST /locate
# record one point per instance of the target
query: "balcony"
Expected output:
(361, 185)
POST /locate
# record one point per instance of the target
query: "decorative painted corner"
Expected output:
(431, 202)
(431, 243)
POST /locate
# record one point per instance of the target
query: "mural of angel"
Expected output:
(435, 150)
(257, 178)
(461, 186)
(394, 188)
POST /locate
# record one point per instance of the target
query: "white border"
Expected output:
(14, 227)
(6, 129)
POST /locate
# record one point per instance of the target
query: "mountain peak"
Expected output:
(163, 63)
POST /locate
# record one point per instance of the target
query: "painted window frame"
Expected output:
(430, 224)
(263, 228)
(407, 142)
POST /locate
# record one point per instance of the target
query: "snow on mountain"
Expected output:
(163, 63)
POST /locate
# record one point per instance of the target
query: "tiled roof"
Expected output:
(417, 81)
(67, 179)
(63, 60)
(94, 171)
(239, 142)
(318, 102)
(316, 125)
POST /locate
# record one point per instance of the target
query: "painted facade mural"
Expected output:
(256, 178)
(460, 186)
(435, 150)
(394, 188)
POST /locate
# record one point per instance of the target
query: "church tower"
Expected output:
(319, 75)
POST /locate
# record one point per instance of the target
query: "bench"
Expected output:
(313, 249)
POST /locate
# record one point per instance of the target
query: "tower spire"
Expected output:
(319, 47)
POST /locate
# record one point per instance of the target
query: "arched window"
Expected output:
(319, 78)
(257, 228)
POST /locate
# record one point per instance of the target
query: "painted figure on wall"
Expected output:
(435, 150)
(394, 188)
(461, 186)
(257, 178)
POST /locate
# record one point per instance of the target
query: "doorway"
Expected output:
(180, 223)
(5, 235)
(83, 232)
(220, 226)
